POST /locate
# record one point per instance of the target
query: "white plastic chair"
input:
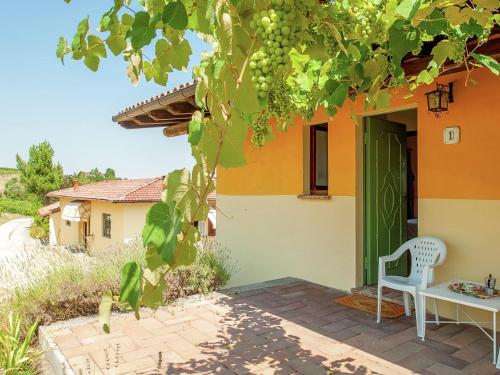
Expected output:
(498, 360)
(426, 253)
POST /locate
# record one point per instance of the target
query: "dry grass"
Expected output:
(53, 284)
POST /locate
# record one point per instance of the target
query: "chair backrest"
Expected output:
(425, 251)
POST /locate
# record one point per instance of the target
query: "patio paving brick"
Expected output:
(295, 328)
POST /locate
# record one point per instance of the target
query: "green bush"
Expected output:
(210, 271)
(26, 207)
(16, 355)
(40, 227)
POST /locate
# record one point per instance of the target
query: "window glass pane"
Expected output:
(106, 225)
(321, 158)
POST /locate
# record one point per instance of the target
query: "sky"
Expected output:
(71, 106)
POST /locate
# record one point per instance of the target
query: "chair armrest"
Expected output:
(424, 282)
(389, 258)
(395, 255)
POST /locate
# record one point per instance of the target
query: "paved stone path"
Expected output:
(295, 328)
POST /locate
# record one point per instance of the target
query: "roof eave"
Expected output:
(158, 103)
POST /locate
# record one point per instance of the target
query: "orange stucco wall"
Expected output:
(469, 170)
(277, 168)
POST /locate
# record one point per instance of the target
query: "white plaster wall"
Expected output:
(277, 236)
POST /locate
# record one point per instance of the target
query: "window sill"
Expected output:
(321, 197)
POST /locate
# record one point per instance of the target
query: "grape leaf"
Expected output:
(141, 33)
(488, 62)
(185, 254)
(91, 62)
(442, 51)
(116, 43)
(401, 42)
(154, 287)
(408, 8)
(195, 131)
(81, 31)
(175, 15)
(62, 49)
(96, 46)
(131, 284)
(105, 310)
(163, 224)
(153, 259)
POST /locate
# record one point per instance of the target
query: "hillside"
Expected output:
(5, 175)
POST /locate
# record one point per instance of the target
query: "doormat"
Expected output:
(367, 304)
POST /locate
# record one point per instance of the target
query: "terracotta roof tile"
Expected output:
(137, 190)
(50, 209)
(116, 191)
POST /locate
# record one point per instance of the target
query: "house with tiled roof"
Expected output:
(326, 199)
(104, 213)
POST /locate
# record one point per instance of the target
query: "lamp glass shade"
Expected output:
(437, 100)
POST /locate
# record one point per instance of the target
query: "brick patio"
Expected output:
(295, 328)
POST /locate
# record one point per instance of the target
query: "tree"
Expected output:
(110, 174)
(95, 175)
(40, 174)
(270, 60)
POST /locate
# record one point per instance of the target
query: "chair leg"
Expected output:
(436, 310)
(418, 314)
(379, 303)
(406, 300)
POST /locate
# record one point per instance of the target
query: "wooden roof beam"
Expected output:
(181, 108)
(160, 114)
(175, 130)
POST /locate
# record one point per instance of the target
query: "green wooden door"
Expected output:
(385, 195)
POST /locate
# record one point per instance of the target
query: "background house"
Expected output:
(104, 213)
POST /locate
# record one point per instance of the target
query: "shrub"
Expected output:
(14, 189)
(16, 355)
(26, 207)
(52, 284)
(40, 227)
(210, 271)
(73, 286)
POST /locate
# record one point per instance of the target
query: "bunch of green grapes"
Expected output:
(280, 105)
(458, 46)
(328, 40)
(483, 37)
(366, 16)
(274, 29)
(260, 130)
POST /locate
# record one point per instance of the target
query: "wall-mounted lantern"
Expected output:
(438, 100)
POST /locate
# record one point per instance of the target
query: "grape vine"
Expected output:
(270, 60)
